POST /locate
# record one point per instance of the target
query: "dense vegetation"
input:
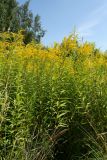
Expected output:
(15, 17)
(53, 101)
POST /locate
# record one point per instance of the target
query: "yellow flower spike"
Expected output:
(86, 49)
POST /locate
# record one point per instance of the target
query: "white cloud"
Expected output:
(88, 25)
(87, 28)
(100, 11)
(85, 34)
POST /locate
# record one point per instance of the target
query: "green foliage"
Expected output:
(14, 18)
(52, 106)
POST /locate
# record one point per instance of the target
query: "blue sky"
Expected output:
(60, 17)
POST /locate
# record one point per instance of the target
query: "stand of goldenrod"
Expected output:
(49, 95)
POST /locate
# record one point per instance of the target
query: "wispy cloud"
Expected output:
(100, 11)
(86, 29)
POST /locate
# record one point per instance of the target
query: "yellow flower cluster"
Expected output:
(86, 49)
(69, 55)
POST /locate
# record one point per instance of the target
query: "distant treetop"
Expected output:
(15, 17)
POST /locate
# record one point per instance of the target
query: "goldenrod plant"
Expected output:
(53, 101)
